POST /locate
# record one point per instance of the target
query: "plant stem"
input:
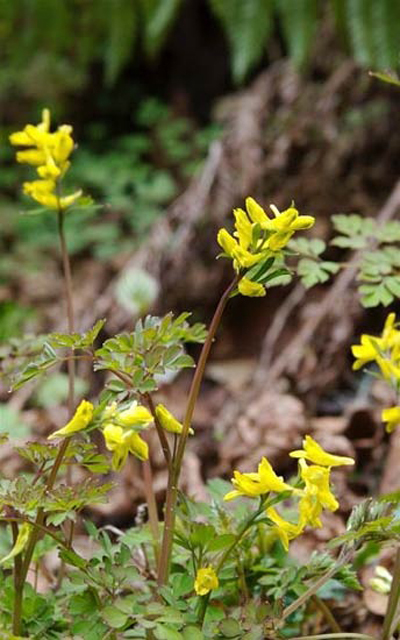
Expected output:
(327, 613)
(314, 588)
(160, 431)
(18, 591)
(173, 477)
(152, 506)
(70, 307)
(40, 518)
(393, 602)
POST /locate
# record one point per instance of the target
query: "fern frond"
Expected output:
(121, 16)
(159, 16)
(299, 21)
(247, 26)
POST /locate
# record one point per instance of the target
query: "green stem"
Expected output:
(327, 613)
(314, 588)
(18, 591)
(394, 598)
(40, 518)
(152, 506)
(70, 307)
(173, 477)
(160, 431)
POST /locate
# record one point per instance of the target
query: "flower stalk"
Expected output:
(176, 465)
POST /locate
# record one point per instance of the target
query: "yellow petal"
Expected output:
(206, 580)
(226, 241)
(303, 222)
(35, 157)
(20, 543)
(80, 420)
(252, 289)
(315, 453)
(257, 213)
(137, 446)
(392, 417)
(135, 416)
(67, 201)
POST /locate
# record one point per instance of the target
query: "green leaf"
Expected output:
(312, 272)
(247, 26)
(192, 633)
(121, 17)
(230, 628)
(385, 77)
(163, 632)
(159, 17)
(221, 542)
(201, 534)
(356, 231)
(114, 617)
(299, 21)
(373, 295)
(70, 557)
(82, 603)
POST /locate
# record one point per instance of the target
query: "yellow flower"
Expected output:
(206, 581)
(367, 351)
(119, 431)
(29, 136)
(257, 484)
(258, 236)
(309, 511)
(390, 368)
(283, 226)
(49, 152)
(242, 258)
(135, 416)
(316, 495)
(392, 417)
(168, 421)
(249, 288)
(314, 452)
(283, 529)
(20, 543)
(80, 420)
(121, 442)
(390, 335)
(384, 350)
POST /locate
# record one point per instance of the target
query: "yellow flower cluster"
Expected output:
(120, 431)
(49, 153)
(384, 351)
(258, 237)
(313, 497)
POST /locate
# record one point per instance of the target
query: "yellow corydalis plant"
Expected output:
(49, 153)
(258, 238)
(384, 351)
(313, 497)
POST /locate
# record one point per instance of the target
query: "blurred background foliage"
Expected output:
(139, 79)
